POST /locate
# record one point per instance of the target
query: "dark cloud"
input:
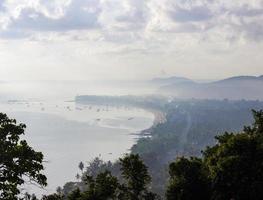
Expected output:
(250, 22)
(2, 6)
(253, 30)
(194, 14)
(241, 21)
(246, 11)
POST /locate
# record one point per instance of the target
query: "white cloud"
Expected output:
(114, 18)
(78, 14)
(134, 33)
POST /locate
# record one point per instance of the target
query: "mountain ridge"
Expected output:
(236, 87)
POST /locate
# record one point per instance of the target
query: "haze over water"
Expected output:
(67, 90)
(68, 133)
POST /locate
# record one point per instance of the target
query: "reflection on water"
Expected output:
(68, 133)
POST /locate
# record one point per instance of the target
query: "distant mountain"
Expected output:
(241, 78)
(239, 87)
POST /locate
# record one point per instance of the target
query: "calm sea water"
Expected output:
(68, 133)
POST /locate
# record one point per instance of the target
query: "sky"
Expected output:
(130, 39)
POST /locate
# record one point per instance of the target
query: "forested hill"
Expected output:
(240, 87)
(190, 126)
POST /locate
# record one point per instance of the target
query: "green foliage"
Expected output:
(103, 187)
(136, 178)
(106, 186)
(190, 126)
(69, 187)
(52, 197)
(18, 161)
(74, 195)
(28, 196)
(97, 166)
(236, 163)
(258, 124)
(135, 173)
(188, 180)
(231, 169)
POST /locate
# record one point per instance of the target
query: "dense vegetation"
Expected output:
(231, 169)
(169, 163)
(190, 126)
(19, 163)
(134, 184)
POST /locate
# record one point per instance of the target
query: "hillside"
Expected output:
(240, 87)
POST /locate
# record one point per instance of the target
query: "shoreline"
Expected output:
(120, 138)
(159, 118)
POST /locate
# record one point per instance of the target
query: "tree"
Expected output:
(104, 186)
(95, 167)
(74, 195)
(81, 167)
(188, 180)
(52, 197)
(233, 168)
(27, 196)
(258, 123)
(136, 179)
(235, 163)
(59, 191)
(18, 161)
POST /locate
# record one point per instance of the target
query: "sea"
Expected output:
(68, 133)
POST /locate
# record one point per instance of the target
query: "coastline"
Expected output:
(64, 127)
(159, 118)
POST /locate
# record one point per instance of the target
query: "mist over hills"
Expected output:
(239, 87)
(170, 80)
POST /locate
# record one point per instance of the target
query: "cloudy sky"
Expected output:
(130, 39)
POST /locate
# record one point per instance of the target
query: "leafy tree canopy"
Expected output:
(134, 184)
(231, 169)
(188, 180)
(18, 161)
(236, 163)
